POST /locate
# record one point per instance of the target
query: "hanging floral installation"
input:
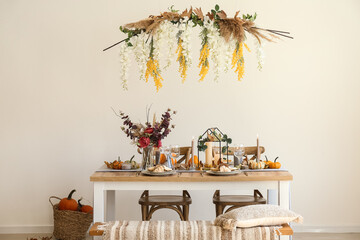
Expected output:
(222, 40)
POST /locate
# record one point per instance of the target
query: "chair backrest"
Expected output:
(248, 150)
(185, 152)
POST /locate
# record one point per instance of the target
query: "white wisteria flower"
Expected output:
(124, 64)
(166, 37)
(218, 48)
(141, 52)
(185, 34)
(260, 55)
(229, 49)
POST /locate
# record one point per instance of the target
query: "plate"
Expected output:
(104, 168)
(149, 173)
(217, 173)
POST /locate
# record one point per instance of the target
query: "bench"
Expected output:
(95, 231)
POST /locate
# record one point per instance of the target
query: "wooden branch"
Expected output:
(271, 30)
(277, 32)
(115, 44)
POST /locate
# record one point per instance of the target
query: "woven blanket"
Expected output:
(182, 230)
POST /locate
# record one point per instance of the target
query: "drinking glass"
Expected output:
(175, 153)
(166, 150)
(239, 151)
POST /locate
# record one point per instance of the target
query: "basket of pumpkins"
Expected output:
(71, 218)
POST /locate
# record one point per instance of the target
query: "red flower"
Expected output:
(159, 144)
(144, 142)
(149, 130)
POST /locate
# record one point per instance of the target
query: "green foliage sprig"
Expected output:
(224, 138)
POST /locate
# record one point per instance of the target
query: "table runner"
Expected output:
(182, 230)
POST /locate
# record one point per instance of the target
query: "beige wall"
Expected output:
(57, 87)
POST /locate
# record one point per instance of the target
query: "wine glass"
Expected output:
(165, 150)
(239, 151)
(175, 153)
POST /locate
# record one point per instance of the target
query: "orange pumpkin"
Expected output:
(85, 208)
(68, 203)
(275, 164)
(196, 160)
(162, 158)
(267, 162)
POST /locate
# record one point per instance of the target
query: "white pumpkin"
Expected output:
(256, 165)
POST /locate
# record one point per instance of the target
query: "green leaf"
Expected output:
(217, 7)
(129, 44)
(213, 12)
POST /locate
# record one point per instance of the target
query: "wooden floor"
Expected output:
(297, 236)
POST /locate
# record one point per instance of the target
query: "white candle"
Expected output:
(193, 151)
(257, 148)
(208, 154)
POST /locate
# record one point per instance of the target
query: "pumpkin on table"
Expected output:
(68, 203)
(275, 164)
(256, 165)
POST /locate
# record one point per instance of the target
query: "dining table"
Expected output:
(105, 184)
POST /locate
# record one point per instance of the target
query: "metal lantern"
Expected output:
(214, 135)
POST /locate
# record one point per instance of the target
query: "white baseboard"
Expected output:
(26, 229)
(296, 228)
(325, 229)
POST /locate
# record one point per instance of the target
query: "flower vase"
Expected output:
(147, 160)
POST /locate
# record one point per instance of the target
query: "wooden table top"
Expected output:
(190, 177)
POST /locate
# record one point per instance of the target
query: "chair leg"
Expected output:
(186, 212)
(144, 212)
(219, 209)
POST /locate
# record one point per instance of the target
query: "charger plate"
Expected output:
(149, 173)
(217, 173)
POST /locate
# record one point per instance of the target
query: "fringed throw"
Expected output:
(182, 230)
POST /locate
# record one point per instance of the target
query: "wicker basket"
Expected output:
(70, 225)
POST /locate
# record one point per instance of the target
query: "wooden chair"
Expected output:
(185, 154)
(235, 201)
(180, 204)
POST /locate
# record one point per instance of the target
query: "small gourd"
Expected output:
(68, 203)
(275, 164)
(267, 162)
(256, 165)
(85, 208)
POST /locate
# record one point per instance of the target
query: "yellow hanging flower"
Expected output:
(247, 48)
(182, 60)
(238, 60)
(204, 61)
(152, 68)
(154, 71)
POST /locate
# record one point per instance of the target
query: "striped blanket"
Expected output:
(181, 230)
